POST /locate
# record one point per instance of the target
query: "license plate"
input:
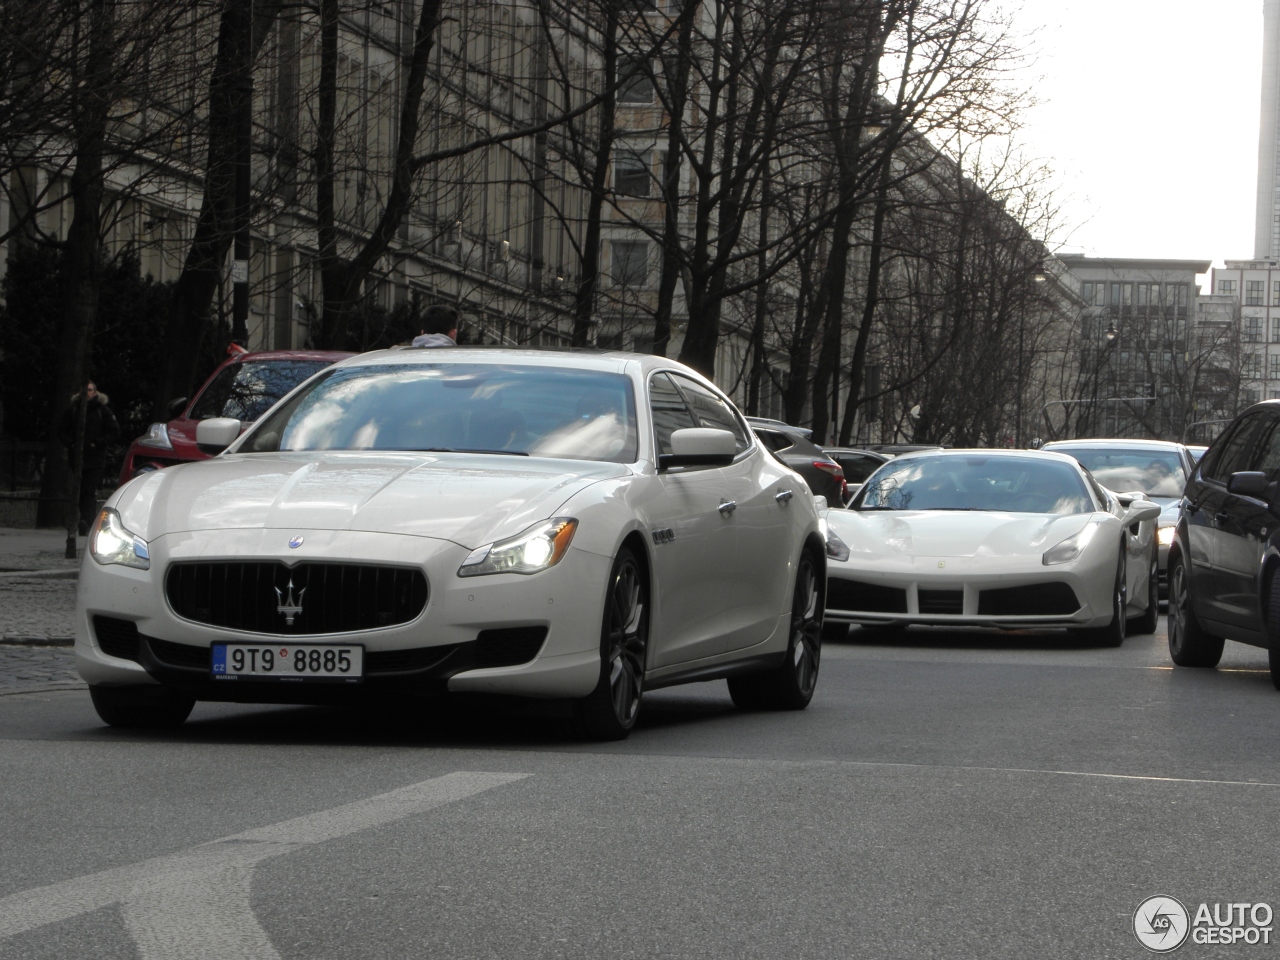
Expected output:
(288, 661)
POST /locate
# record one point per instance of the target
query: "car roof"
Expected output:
(616, 361)
(1002, 452)
(1111, 442)
(332, 356)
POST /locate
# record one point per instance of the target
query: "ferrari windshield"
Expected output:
(1012, 484)
(464, 407)
(1155, 473)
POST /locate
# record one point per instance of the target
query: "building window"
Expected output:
(631, 176)
(1252, 367)
(1249, 397)
(1121, 294)
(636, 84)
(1227, 287)
(1253, 329)
(1255, 292)
(630, 263)
(1275, 293)
(1273, 373)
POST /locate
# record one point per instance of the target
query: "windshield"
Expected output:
(246, 391)
(1155, 473)
(465, 407)
(1012, 484)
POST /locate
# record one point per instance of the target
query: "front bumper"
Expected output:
(443, 648)
(973, 591)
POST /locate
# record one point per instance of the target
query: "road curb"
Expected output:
(59, 573)
(44, 687)
(24, 640)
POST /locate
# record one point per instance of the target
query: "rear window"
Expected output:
(247, 390)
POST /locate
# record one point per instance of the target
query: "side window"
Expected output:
(1267, 455)
(1234, 455)
(670, 413)
(775, 440)
(713, 412)
(1099, 492)
(857, 469)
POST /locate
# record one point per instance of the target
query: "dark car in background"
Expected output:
(793, 447)
(1224, 564)
(244, 387)
(857, 464)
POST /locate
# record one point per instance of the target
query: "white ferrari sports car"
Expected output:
(995, 538)
(541, 524)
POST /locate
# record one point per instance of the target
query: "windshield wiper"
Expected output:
(500, 453)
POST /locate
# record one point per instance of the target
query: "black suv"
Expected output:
(1224, 564)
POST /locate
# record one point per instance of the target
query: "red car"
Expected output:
(244, 387)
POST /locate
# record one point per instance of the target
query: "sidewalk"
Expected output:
(37, 587)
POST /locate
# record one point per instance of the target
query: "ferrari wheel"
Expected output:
(1189, 644)
(1112, 635)
(790, 686)
(610, 711)
(143, 707)
(1150, 619)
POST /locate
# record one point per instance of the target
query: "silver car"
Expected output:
(1157, 468)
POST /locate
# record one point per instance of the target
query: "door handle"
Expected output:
(782, 496)
(727, 507)
(1221, 518)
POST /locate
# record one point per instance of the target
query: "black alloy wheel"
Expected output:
(1190, 645)
(148, 707)
(790, 686)
(1149, 621)
(1273, 625)
(609, 712)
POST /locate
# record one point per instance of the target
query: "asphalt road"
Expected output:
(961, 794)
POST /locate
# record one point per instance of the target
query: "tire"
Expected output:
(142, 707)
(1112, 635)
(1273, 625)
(1190, 645)
(609, 712)
(790, 686)
(1149, 621)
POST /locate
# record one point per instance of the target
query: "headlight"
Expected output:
(1165, 535)
(157, 435)
(110, 542)
(534, 550)
(837, 549)
(1070, 548)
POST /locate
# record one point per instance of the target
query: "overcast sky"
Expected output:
(1150, 118)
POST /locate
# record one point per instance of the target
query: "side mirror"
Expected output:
(1141, 510)
(699, 447)
(1248, 483)
(216, 434)
(176, 406)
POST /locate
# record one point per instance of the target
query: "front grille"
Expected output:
(117, 638)
(509, 646)
(311, 598)
(869, 597)
(941, 601)
(1037, 599)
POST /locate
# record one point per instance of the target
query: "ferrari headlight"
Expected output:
(1165, 535)
(110, 542)
(157, 435)
(1070, 548)
(534, 550)
(837, 549)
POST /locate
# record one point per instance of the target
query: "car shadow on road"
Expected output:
(457, 721)
(965, 638)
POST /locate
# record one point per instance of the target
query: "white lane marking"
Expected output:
(195, 904)
(957, 768)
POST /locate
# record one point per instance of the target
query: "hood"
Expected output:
(948, 533)
(469, 499)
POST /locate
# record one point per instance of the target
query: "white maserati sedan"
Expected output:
(540, 524)
(996, 538)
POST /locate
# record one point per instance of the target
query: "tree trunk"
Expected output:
(242, 31)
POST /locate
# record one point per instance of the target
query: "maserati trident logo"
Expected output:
(288, 605)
